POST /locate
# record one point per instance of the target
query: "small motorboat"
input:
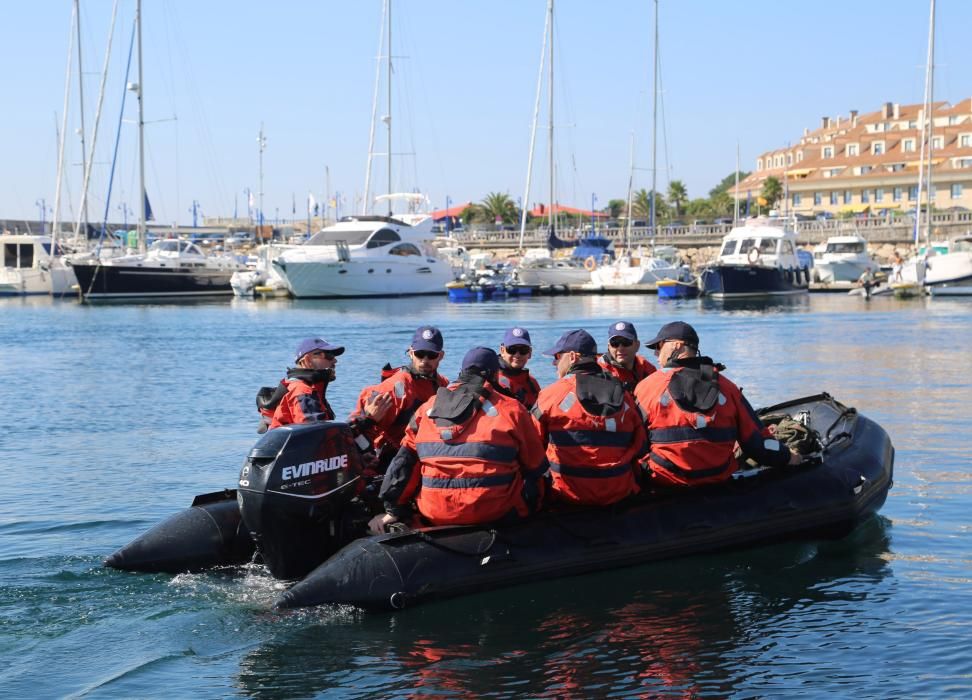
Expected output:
(302, 507)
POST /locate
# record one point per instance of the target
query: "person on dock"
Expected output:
(591, 425)
(405, 390)
(513, 377)
(695, 416)
(306, 397)
(470, 455)
(622, 359)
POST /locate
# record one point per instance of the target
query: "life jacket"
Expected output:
(629, 378)
(408, 390)
(594, 437)
(475, 448)
(305, 400)
(695, 416)
(518, 384)
(267, 400)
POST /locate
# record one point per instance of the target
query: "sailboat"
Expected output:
(170, 268)
(370, 255)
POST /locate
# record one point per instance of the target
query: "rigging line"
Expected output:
(170, 84)
(366, 203)
(63, 131)
(661, 104)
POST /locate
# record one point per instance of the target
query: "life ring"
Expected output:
(590, 263)
(753, 256)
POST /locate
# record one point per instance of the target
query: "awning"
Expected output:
(800, 172)
(855, 208)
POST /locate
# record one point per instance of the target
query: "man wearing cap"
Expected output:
(513, 378)
(470, 455)
(306, 383)
(695, 416)
(593, 431)
(408, 388)
(622, 359)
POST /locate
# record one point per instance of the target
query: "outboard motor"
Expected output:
(293, 490)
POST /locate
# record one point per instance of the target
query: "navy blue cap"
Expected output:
(517, 336)
(311, 344)
(676, 330)
(622, 329)
(427, 338)
(481, 358)
(574, 341)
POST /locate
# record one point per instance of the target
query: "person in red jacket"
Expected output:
(407, 388)
(306, 399)
(593, 430)
(470, 455)
(513, 378)
(622, 359)
(695, 416)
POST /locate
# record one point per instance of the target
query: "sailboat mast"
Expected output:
(84, 168)
(654, 130)
(550, 123)
(926, 133)
(735, 200)
(63, 133)
(142, 213)
(930, 77)
(533, 132)
(388, 119)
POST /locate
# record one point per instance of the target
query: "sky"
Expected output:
(752, 73)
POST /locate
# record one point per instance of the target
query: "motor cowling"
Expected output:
(293, 487)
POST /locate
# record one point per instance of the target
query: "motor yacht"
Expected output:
(31, 265)
(639, 267)
(841, 258)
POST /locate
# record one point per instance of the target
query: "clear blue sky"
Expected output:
(754, 72)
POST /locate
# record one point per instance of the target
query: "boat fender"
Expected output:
(753, 256)
(600, 395)
(590, 263)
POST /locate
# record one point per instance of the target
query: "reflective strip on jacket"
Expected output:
(472, 473)
(303, 403)
(629, 378)
(593, 459)
(408, 392)
(688, 448)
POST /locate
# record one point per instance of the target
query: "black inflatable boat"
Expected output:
(299, 505)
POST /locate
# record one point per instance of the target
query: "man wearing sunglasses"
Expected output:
(695, 416)
(592, 427)
(408, 388)
(306, 383)
(513, 378)
(622, 359)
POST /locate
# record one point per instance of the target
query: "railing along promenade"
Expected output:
(898, 230)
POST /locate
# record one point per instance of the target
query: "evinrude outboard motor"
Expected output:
(293, 489)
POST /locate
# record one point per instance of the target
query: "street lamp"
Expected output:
(593, 204)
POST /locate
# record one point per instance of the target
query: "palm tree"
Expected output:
(497, 205)
(772, 191)
(677, 195)
(641, 204)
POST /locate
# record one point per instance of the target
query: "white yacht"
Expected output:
(946, 273)
(757, 259)
(639, 267)
(260, 276)
(539, 269)
(31, 265)
(365, 256)
(841, 258)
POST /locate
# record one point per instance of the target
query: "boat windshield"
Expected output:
(334, 236)
(852, 247)
(729, 247)
(962, 245)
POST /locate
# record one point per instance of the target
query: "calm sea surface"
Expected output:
(118, 415)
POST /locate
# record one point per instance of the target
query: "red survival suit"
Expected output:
(408, 390)
(695, 417)
(470, 456)
(518, 383)
(305, 400)
(629, 378)
(594, 437)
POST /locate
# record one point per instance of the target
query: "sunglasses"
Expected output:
(425, 354)
(519, 350)
(620, 343)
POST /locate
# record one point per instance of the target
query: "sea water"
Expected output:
(117, 415)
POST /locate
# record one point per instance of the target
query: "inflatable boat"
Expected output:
(301, 507)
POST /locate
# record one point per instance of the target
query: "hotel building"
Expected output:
(869, 163)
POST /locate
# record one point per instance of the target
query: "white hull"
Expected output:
(621, 275)
(57, 281)
(366, 278)
(842, 271)
(556, 275)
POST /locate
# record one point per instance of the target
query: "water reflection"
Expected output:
(786, 304)
(689, 627)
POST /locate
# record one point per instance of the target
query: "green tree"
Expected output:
(617, 207)
(677, 195)
(772, 191)
(496, 205)
(641, 205)
(726, 183)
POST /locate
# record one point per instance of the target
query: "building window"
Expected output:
(852, 149)
(817, 198)
(789, 159)
(896, 195)
(833, 198)
(908, 145)
(938, 142)
(796, 199)
(799, 156)
(877, 148)
(965, 140)
(957, 191)
(848, 196)
(865, 196)
(865, 169)
(759, 163)
(828, 151)
(913, 193)
(879, 194)
(932, 191)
